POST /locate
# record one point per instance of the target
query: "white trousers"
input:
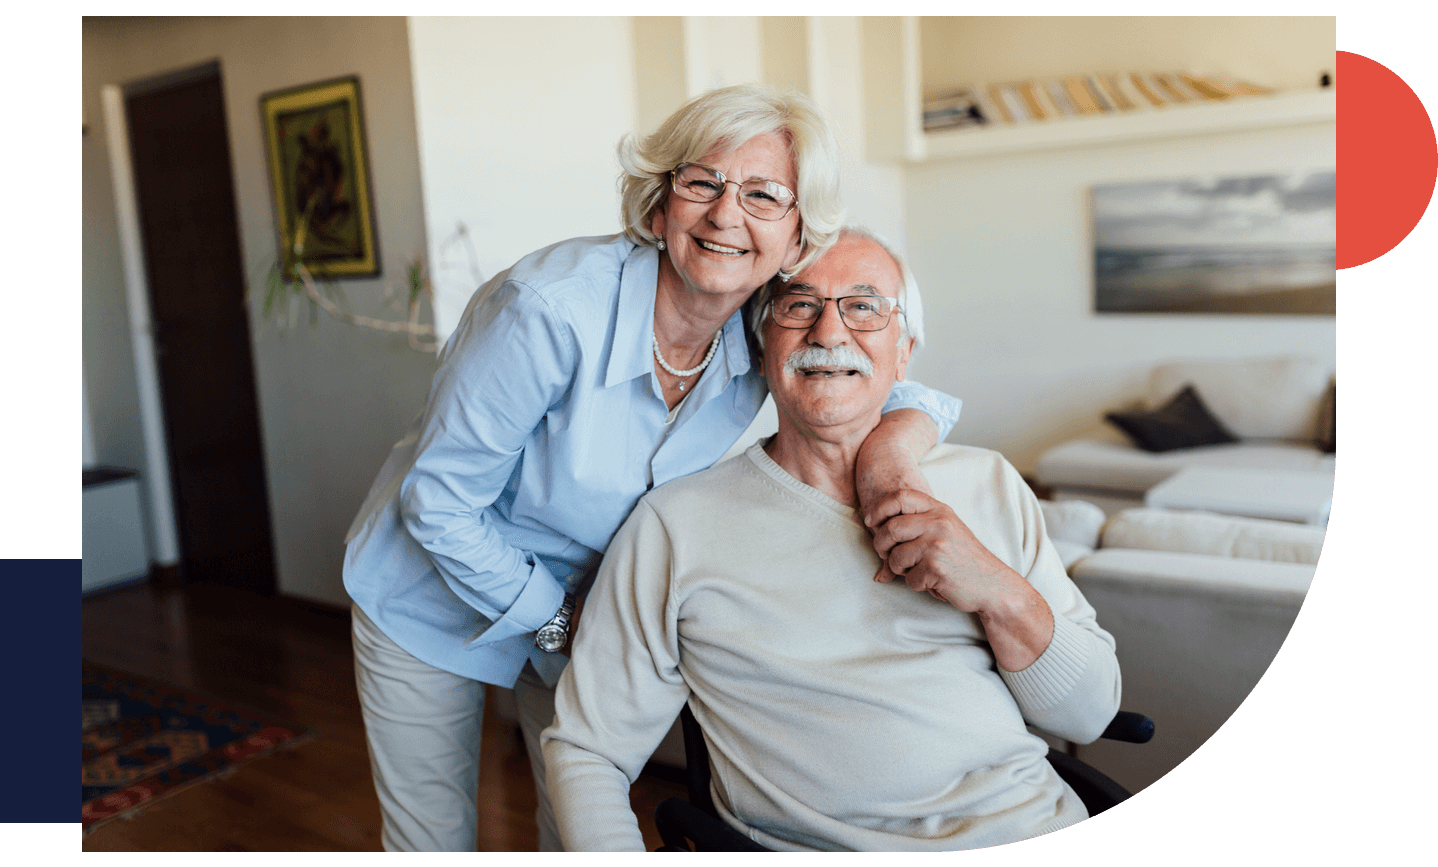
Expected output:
(423, 726)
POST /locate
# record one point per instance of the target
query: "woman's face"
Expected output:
(719, 248)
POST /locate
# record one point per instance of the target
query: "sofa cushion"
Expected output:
(1182, 423)
(1266, 398)
(1174, 573)
(1218, 535)
(1073, 526)
(1112, 466)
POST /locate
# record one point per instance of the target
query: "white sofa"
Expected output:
(1278, 408)
(1198, 605)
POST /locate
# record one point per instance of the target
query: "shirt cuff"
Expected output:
(940, 407)
(536, 605)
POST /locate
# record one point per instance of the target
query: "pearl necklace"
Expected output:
(658, 356)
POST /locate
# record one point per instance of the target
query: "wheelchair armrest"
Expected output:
(1096, 790)
(1129, 727)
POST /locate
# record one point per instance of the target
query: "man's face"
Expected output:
(819, 389)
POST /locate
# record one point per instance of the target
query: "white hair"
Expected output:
(911, 306)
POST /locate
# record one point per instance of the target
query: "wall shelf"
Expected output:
(1206, 118)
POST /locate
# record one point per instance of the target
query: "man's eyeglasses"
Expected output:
(858, 312)
(764, 199)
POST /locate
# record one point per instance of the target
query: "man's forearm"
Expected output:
(1019, 627)
(590, 797)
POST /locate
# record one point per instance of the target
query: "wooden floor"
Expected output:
(293, 660)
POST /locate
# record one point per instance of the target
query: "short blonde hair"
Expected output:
(722, 120)
(911, 306)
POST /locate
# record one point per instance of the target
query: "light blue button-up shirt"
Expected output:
(545, 425)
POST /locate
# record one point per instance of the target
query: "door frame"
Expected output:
(164, 538)
(165, 544)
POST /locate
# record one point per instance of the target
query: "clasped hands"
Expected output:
(926, 545)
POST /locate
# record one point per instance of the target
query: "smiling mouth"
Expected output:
(817, 361)
(720, 248)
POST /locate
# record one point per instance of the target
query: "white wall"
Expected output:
(518, 119)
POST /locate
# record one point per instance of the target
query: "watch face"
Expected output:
(550, 638)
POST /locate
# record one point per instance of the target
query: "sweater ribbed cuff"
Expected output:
(1051, 677)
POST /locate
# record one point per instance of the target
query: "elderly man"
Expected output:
(843, 709)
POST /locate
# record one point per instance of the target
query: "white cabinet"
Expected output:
(113, 542)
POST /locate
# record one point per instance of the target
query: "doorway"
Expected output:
(179, 148)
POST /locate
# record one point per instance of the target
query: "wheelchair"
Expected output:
(696, 821)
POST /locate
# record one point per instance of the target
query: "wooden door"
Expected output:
(180, 151)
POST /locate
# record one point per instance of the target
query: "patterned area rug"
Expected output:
(143, 740)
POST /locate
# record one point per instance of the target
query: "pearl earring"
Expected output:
(661, 245)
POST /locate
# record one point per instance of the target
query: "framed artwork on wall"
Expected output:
(319, 176)
(1261, 244)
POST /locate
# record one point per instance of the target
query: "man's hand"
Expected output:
(921, 540)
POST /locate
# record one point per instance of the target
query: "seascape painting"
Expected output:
(1256, 244)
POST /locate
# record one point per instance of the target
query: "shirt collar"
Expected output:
(633, 352)
(634, 326)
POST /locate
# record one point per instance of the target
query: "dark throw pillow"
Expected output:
(1327, 433)
(1181, 423)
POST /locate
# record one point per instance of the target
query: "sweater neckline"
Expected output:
(771, 468)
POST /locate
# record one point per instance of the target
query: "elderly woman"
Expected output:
(577, 380)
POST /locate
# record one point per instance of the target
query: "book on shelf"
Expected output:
(1052, 92)
(1039, 105)
(1164, 86)
(991, 109)
(1022, 109)
(1099, 94)
(1180, 88)
(1226, 84)
(1185, 87)
(1019, 102)
(1108, 84)
(956, 110)
(1083, 99)
(1145, 89)
(1123, 85)
(997, 99)
(1008, 102)
(1203, 87)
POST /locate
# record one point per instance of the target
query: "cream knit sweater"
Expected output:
(840, 713)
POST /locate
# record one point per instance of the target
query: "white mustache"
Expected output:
(818, 356)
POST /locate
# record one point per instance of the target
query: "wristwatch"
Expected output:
(553, 635)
